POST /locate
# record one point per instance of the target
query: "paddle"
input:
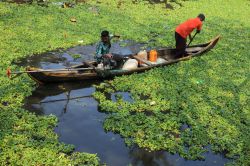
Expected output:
(192, 39)
(9, 72)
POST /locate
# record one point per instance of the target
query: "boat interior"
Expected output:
(163, 55)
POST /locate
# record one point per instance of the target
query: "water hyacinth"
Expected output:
(209, 94)
(215, 110)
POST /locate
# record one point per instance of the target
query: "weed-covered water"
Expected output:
(80, 121)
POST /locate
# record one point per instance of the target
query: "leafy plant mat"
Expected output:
(209, 94)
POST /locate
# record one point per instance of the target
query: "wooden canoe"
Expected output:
(75, 75)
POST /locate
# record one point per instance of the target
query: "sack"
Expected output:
(130, 64)
(100, 66)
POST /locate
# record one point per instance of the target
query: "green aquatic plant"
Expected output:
(76, 56)
(32, 29)
(216, 109)
(209, 94)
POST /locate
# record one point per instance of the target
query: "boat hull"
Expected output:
(166, 53)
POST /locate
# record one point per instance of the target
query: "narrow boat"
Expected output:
(90, 72)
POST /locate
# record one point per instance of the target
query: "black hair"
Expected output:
(202, 17)
(105, 33)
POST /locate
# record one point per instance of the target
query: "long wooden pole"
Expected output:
(192, 39)
(52, 70)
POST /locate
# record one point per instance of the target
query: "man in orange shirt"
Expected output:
(184, 30)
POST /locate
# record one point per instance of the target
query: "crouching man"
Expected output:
(103, 55)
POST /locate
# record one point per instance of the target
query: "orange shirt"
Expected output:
(188, 26)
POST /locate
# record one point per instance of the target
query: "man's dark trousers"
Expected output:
(180, 45)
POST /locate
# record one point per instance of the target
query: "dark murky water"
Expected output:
(76, 55)
(80, 122)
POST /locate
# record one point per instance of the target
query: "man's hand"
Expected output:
(108, 56)
(198, 31)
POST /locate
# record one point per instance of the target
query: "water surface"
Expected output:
(65, 58)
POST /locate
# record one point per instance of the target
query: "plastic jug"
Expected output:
(153, 56)
(143, 55)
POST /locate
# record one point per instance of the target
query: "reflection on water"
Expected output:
(81, 123)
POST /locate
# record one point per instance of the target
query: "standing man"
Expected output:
(185, 29)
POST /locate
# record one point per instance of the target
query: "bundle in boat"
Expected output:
(130, 64)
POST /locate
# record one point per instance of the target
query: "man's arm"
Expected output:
(199, 27)
(99, 50)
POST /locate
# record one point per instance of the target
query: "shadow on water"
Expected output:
(81, 123)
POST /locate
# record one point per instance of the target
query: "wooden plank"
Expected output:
(164, 57)
(143, 60)
(89, 64)
(37, 70)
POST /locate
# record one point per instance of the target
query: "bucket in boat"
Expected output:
(153, 56)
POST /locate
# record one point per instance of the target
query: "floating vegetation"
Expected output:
(197, 104)
(209, 94)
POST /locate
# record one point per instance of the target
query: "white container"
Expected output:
(130, 64)
(100, 66)
(143, 54)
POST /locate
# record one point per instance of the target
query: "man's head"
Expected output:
(105, 36)
(201, 17)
